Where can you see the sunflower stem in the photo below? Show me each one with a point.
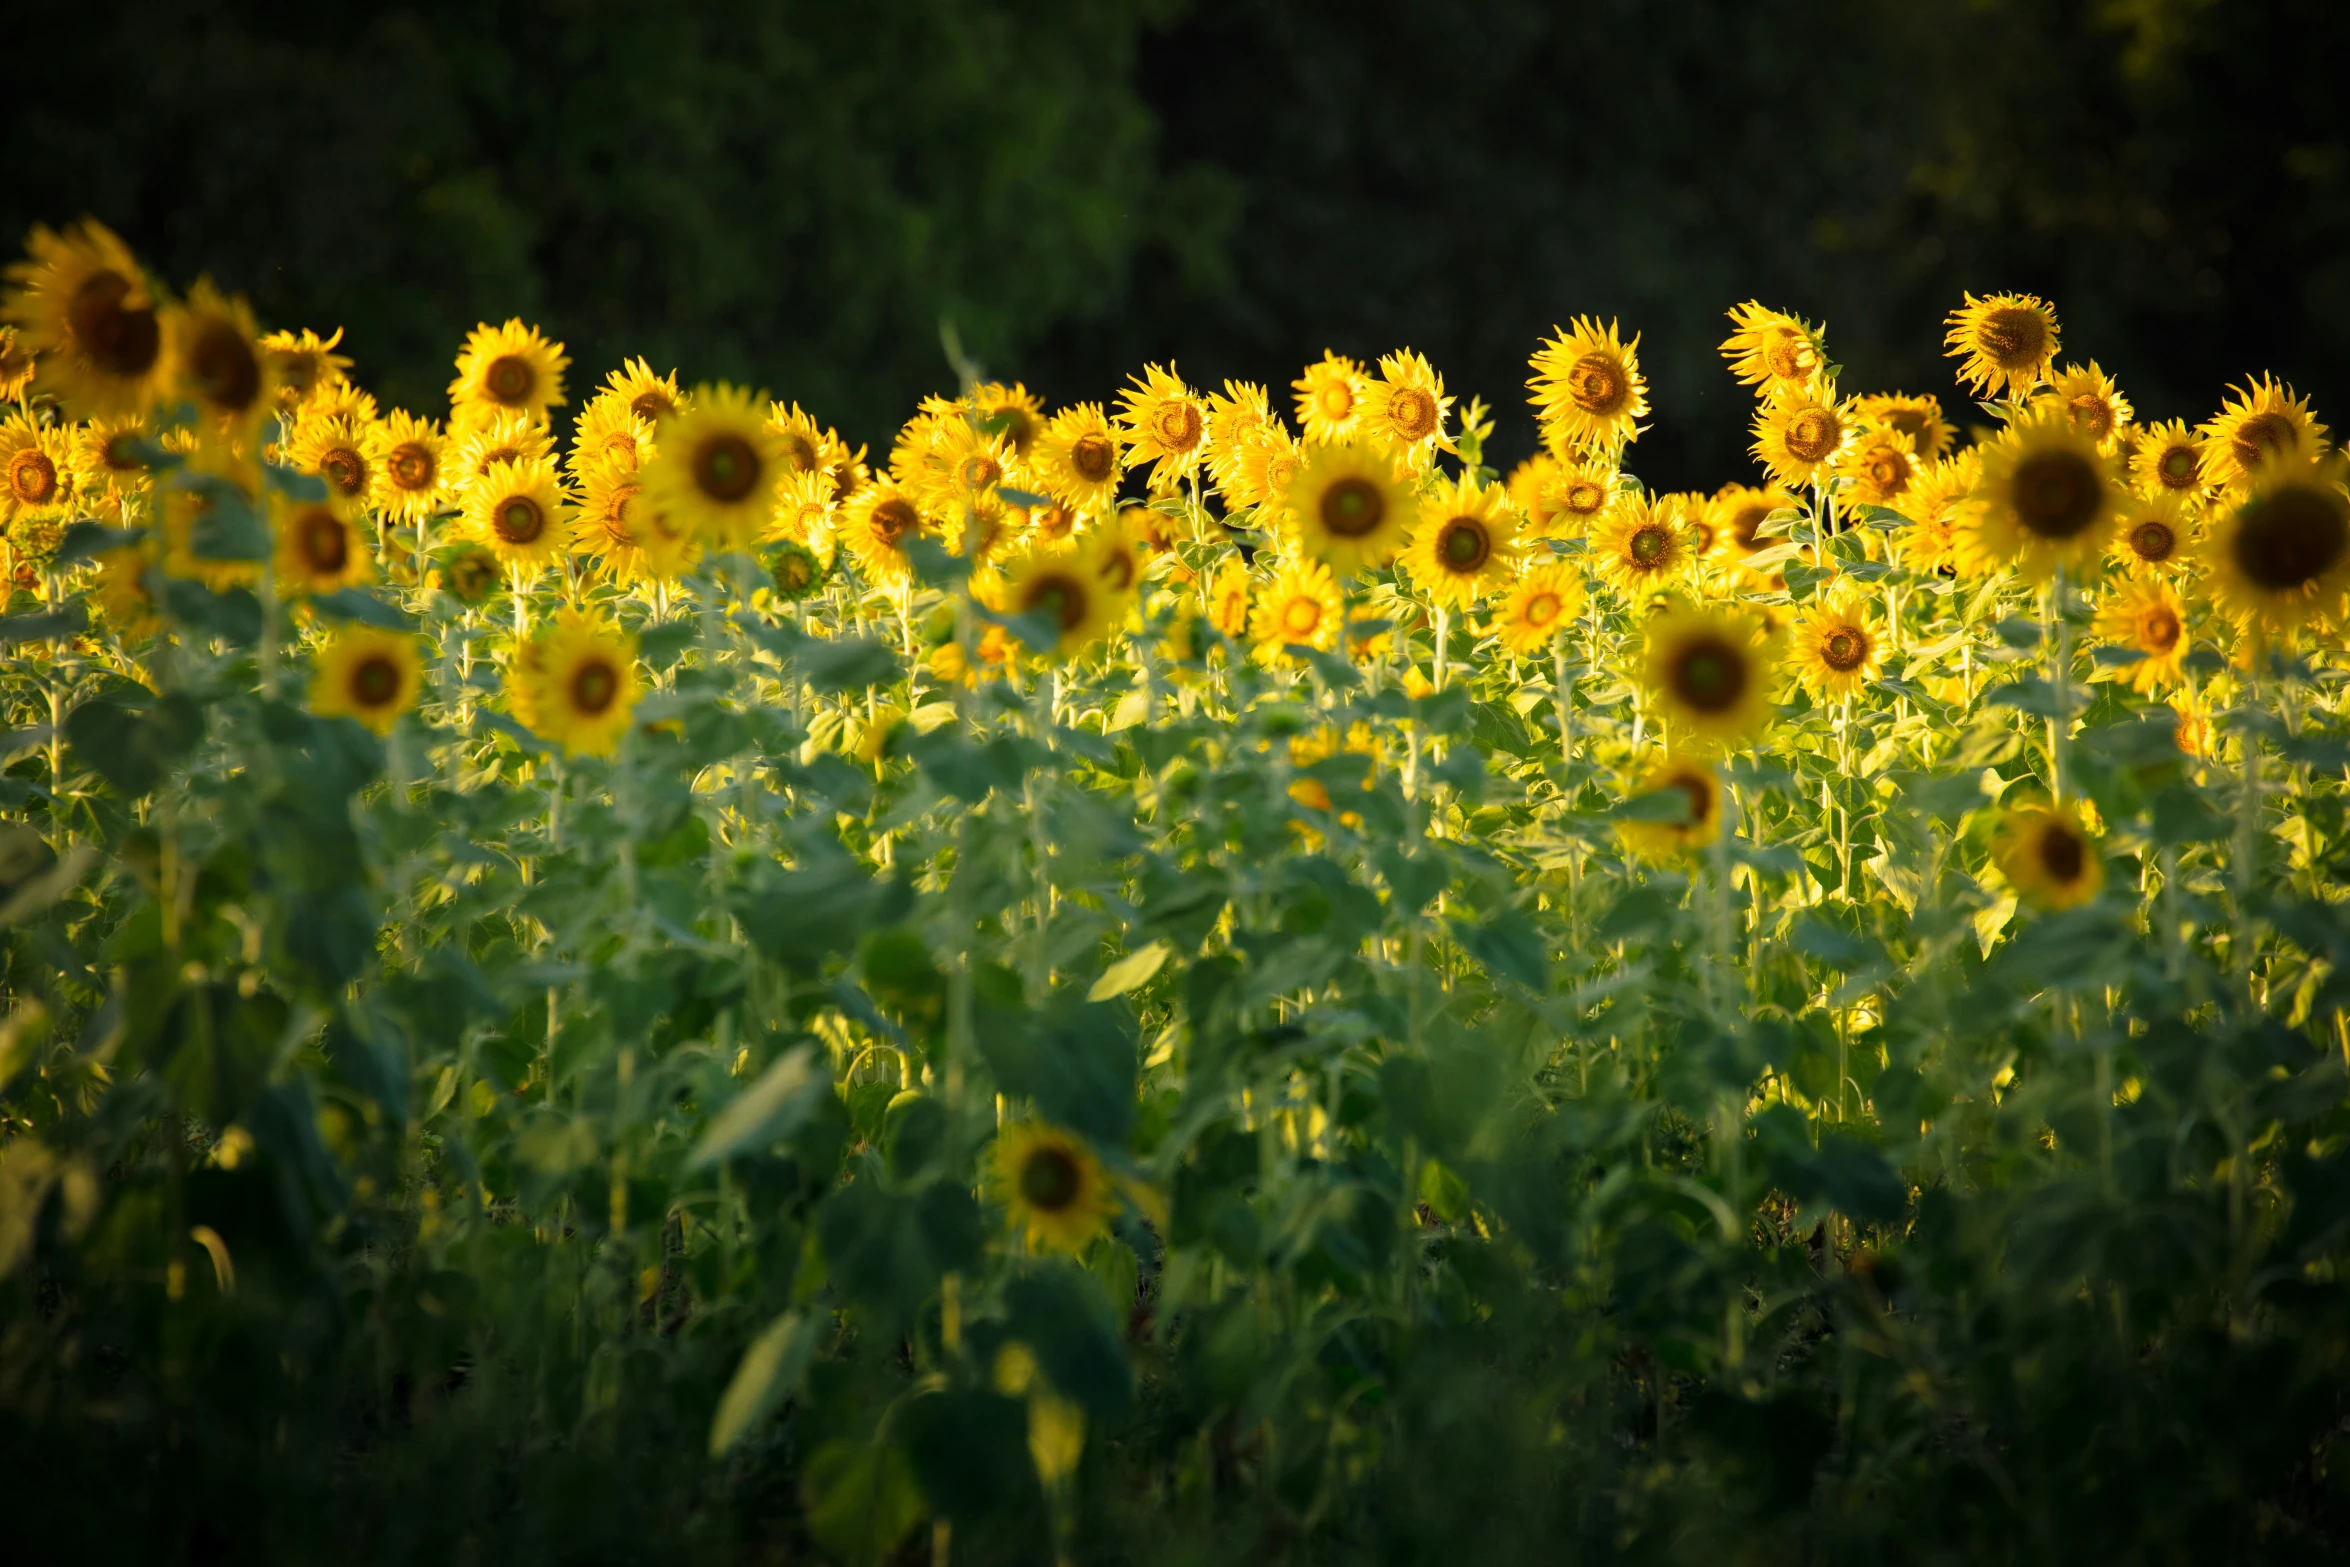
(2057, 636)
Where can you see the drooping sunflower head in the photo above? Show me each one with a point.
(302, 364)
(797, 571)
(504, 370)
(1799, 437)
(2089, 402)
(1696, 790)
(1242, 410)
(469, 574)
(575, 684)
(1643, 546)
(1331, 395)
(650, 397)
(2282, 555)
(1919, 418)
(1708, 673)
(520, 513)
(2004, 343)
(2045, 500)
(1079, 458)
(2261, 423)
(876, 526)
(85, 312)
(1768, 349)
(1068, 594)
(2147, 616)
(2156, 534)
(1587, 388)
(408, 459)
(319, 548)
(1299, 606)
(1837, 650)
(1465, 544)
(1349, 507)
(367, 673)
(1538, 607)
(2168, 461)
(715, 468)
(1051, 1186)
(1406, 408)
(1880, 463)
(339, 451)
(16, 365)
(1166, 425)
(2048, 856)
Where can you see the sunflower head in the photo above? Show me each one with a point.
(1079, 457)
(797, 571)
(1708, 673)
(1768, 349)
(575, 684)
(876, 526)
(2087, 399)
(649, 397)
(1837, 651)
(2261, 423)
(408, 462)
(2156, 533)
(508, 369)
(1879, 463)
(520, 512)
(302, 364)
(715, 469)
(1051, 1186)
(1587, 388)
(1331, 396)
(339, 450)
(1537, 607)
(2168, 460)
(16, 365)
(1406, 408)
(217, 360)
(1644, 545)
(1300, 606)
(1071, 593)
(1465, 544)
(1799, 436)
(469, 574)
(1697, 788)
(2146, 615)
(1165, 424)
(318, 545)
(367, 673)
(1919, 418)
(85, 312)
(2045, 499)
(2282, 554)
(1349, 506)
(2048, 856)
(2004, 343)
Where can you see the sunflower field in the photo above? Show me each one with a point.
(1202, 976)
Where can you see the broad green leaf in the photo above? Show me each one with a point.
(1129, 972)
(772, 1369)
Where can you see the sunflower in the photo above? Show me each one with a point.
(877, 524)
(1768, 350)
(607, 435)
(1708, 672)
(1228, 600)
(803, 510)
(108, 459)
(1879, 464)
(1643, 546)
(508, 369)
(120, 591)
(1588, 391)
(1537, 607)
(1011, 414)
(408, 457)
(2090, 402)
(1077, 458)
(1406, 408)
(318, 546)
(2156, 532)
(2259, 423)
(1166, 425)
(1576, 499)
(574, 685)
(650, 397)
(2144, 613)
(1737, 513)
(1071, 592)
(2045, 500)
(1465, 543)
(16, 365)
(1701, 820)
(1235, 415)
(85, 311)
(1051, 1186)
(302, 364)
(337, 450)
(1919, 418)
(36, 468)
(209, 477)
(972, 465)
(1301, 606)
(807, 447)
(610, 526)
(798, 572)
(985, 530)
(2003, 343)
(1799, 437)
(2283, 553)
(1836, 650)
(2168, 461)
(1330, 398)
(469, 574)
(1934, 505)
(1349, 507)
(1269, 462)
(514, 438)
(2048, 856)
(715, 472)
(367, 673)
(216, 359)
(519, 512)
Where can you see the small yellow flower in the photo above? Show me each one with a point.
(1879, 463)
(1406, 408)
(875, 527)
(1078, 458)
(2168, 461)
(2089, 402)
(336, 449)
(407, 458)
(508, 369)
(367, 673)
(2048, 856)
(1052, 1186)
(2157, 533)
(520, 513)
(1708, 672)
(1919, 418)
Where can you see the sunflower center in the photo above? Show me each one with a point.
(2062, 854)
(1412, 413)
(1117, 568)
(2057, 494)
(298, 372)
(594, 686)
(1813, 433)
(980, 472)
(2263, 436)
(1301, 618)
(1585, 497)
(1787, 355)
(473, 574)
(1542, 609)
(652, 407)
(1055, 521)
(1464, 545)
(1709, 673)
(893, 519)
(1060, 596)
(2177, 468)
(1017, 427)
(1177, 425)
(412, 465)
(795, 572)
(324, 543)
(519, 519)
(1092, 458)
(1888, 471)
(2091, 415)
(1746, 524)
(2159, 629)
(1700, 798)
(375, 682)
(120, 454)
(226, 370)
(345, 469)
(1050, 1180)
(2153, 541)
(1844, 649)
(1337, 399)
(800, 452)
(32, 477)
(615, 515)
(726, 468)
(2291, 537)
(1596, 383)
(510, 379)
(2013, 337)
(1353, 507)
(1648, 545)
(122, 340)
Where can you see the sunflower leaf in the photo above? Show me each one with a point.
(364, 607)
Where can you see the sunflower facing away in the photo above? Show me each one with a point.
(650, 397)
(1836, 650)
(2146, 615)
(1708, 672)
(1051, 1186)
(519, 512)
(1406, 408)
(2258, 424)
(1587, 386)
(408, 458)
(1769, 349)
(1465, 544)
(2045, 499)
(1701, 821)
(318, 547)
(716, 467)
(1349, 508)
(1077, 458)
(574, 684)
(508, 369)
(1644, 545)
(1798, 437)
(2168, 461)
(2002, 344)
(367, 673)
(1299, 606)
(607, 435)
(1934, 504)
(85, 312)
(2282, 555)
(2090, 402)
(2048, 856)
(1537, 607)
(1166, 425)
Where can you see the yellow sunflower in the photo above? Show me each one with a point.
(1077, 458)
(2259, 423)
(574, 685)
(1051, 1186)
(1576, 499)
(36, 469)
(1837, 651)
(808, 448)
(1301, 605)
(1587, 386)
(367, 673)
(1349, 507)
(1701, 787)
(876, 525)
(1769, 349)
(16, 365)
(607, 435)
(503, 370)
(2090, 403)
(1879, 463)
(408, 458)
(338, 451)
(1242, 410)
(972, 466)
(468, 573)
(1643, 546)
(2168, 461)
(1011, 414)
(87, 314)
(714, 474)
(1330, 398)
(2045, 500)
(803, 510)
(1933, 506)
(650, 397)
(106, 459)
(2144, 613)
(1465, 544)
(511, 438)
(2004, 343)
(120, 591)
(2282, 555)
(609, 526)
(1166, 425)
(519, 513)
(1537, 607)
(1919, 418)
(1229, 597)
(2048, 856)
(1799, 437)
(301, 364)
(216, 359)
(318, 546)
(1708, 672)
(1268, 463)
(340, 400)
(2156, 534)
(1738, 511)
(1406, 408)
(1070, 592)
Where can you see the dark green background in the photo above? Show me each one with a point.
(796, 194)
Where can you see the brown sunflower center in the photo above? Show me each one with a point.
(2290, 537)
(726, 468)
(324, 543)
(1092, 457)
(1787, 355)
(298, 371)
(2013, 337)
(652, 406)
(979, 472)
(413, 466)
(1708, 673)
(2262, 436)
(1060, 595)
(2062, 853)
(122, 339)
(510, 379)
(1648, 545)
(345, 469)
(893, 519)
(1597, 384)
(1117, 567)
(1812, 434)
(1464, 546)
(2090, 414)
(226, 370)
(375, 682)
(1050, 1180)
(1055, 521)
(32, 477)
(1844, 649)
(2177, 467)
(795, 571)
(1178, 425)
(120, 453)
(595, 685)
(2153, 541)
(1585, 497)
(1336, 399)
(1700, 798)
(1411, 412)
(1746, 523)
(2159, 629)
(519, 519)
(2057, 494)
(799, 452)
(1352, 507)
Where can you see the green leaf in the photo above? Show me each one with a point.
(774, 1368)
(1129, 972)
(891, 1249)
(1076, 1060)
(1508, 946)
(662, 642)
(87, 540)
(364, 607)
(44, 625)
(786, 1095)
(132, 742)
(860, 1499)
(802, 917)
(1060, 1313)
(848, 663)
